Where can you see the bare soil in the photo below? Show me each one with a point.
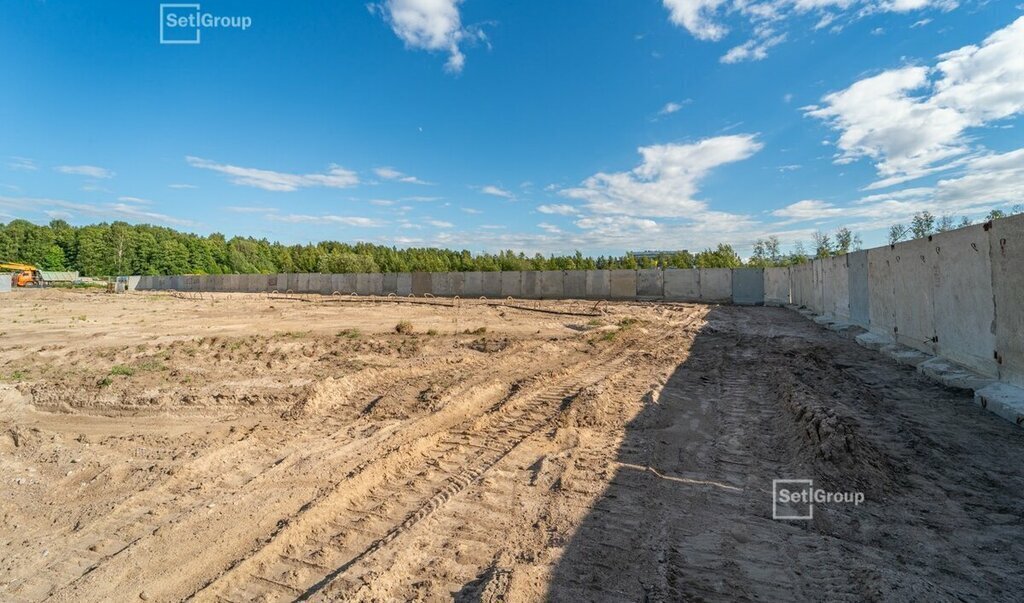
(232, 447)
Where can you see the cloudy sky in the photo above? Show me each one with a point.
(537, 125)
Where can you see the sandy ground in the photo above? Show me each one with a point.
(238, 448)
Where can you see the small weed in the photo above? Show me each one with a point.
(432, 332)
(479, 331)
(595, 322)
(151, 366)
(608, 336)
(16, 376)
(625, 323)
(122, 370)
(105, 382)
(404, 328)
(349, 334)
(294, 334)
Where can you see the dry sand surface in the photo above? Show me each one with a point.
(237, 448)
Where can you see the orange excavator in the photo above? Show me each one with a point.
(24, 274)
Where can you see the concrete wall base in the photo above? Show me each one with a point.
(953, 375)
(1003, 399)
(873, 341)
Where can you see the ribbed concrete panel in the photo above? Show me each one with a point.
(682, 284)
(817, 303)
(421, 283)
(551, 284)
(531, 284)
(881, 292)
(145, 283)
(301, 283)
(404, 284)
(836, 287)
(622, 284)
(575, 283)
(390, 283)
(1006, 244)
(511, 284)
(964, 304)
(457, 283)
(857, 269)
(914, 278)
(491, 282)
(650, 283)
(803, 280)
(598, 284)
(326, 283)
(441, 284)
(777, 286)
(716, 285)
(748, 286)
(6, 282)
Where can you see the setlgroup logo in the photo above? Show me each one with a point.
(795, 498)
(184, 23)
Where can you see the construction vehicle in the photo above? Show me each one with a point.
(25, 275)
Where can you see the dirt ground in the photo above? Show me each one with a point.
(236, 447)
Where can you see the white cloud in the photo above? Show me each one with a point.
(440, 224)
(755, 49)
(672, 107)
(103, 211)
(666, 182)
(388, 173)
(559, 209)
(470, 210)
(496, 191)
(85, 170)
(331, 219)
(250, 209)
(182, 186)
(704, 19)
(808, 209)
(912, 121)
(335, 177)
(433, 25)
(135, 200)
(22, 164)
(551, 228)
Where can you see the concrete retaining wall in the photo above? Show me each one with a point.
(957, 295)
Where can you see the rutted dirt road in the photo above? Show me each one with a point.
(238, 448)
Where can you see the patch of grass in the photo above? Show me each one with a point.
(432, 332)
(478, 331)
(16, 376)
(608, 336)
(151, 366)
(349, 334)
(105, 382)
(595, 322)
(627, 322)
(122, 370)
(294, 334)
(404, 328)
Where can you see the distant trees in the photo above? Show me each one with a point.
(924, 224)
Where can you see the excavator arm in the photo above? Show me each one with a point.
(25, 274)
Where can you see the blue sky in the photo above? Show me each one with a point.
(542, 126)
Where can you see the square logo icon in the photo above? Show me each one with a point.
(179, 24)
(792, 499)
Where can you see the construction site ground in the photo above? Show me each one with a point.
(234, 447)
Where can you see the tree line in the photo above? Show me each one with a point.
(109, 249)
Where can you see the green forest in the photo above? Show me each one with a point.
(109, 249)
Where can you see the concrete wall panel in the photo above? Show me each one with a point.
(650, 283)
(512, 284)
(682, 284)
(390, 283)
(491, 283)
(598, 284)
(881, 292)
(405, 284)
(777, 286)
(421, 283)
(748, 286)
(622, 284)
(1006, 244)
(531, 284)
(552, 284)
(914, 278)
(715, 285)
(575, 284)
(857, 267)
(441, 284)
(370, 284)
(964, 305)
(473, 286)
(457, 283)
